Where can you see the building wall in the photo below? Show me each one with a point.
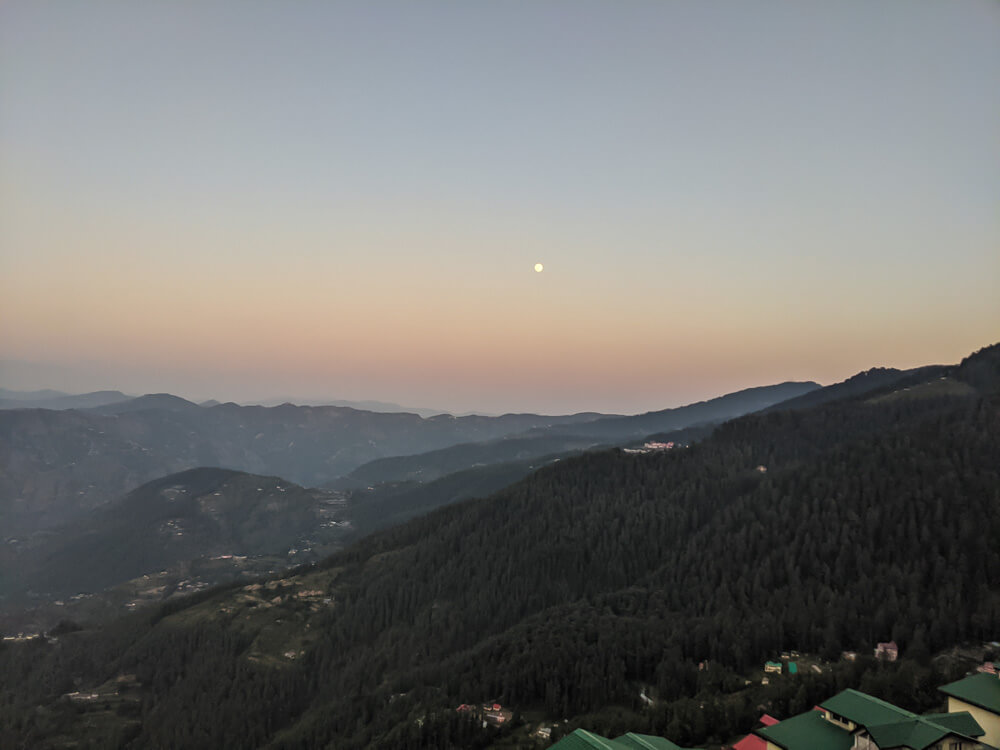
(989, 721)
(850, 726)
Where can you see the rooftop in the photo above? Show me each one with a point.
(864, 709)
(646, 742)
(751, 742)
(982, 690)
(888, 725)
(808, 731)
(581, 739)
(911, 733)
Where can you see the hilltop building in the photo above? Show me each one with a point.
(852, 720)
(497, 715)
(491, 714)
(978, 695)
(888, 651)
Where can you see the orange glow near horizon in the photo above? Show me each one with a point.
(324, 221)
(516, 349)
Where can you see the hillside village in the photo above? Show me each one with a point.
(849, 720)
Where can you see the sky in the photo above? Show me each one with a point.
(237, 199)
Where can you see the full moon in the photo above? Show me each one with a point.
(539, 268)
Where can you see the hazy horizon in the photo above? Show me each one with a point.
(241, 200)
(28, 376)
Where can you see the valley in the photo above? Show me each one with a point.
(62, 542)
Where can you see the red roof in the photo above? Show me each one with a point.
(751, 742)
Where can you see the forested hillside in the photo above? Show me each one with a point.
(394, 502)
(860, 384)
(579, 435)
(817, 529)
(182, 517)
(426, 467)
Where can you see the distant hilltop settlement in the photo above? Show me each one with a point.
(492, 714)
(651, 447)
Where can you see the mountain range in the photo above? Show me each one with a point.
(60, 542)
(51, 399)
(590, 591)
(58, 466)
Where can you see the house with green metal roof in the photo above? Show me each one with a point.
(808, 731)
(646, 742)
(852, 719)
(979, 695)
(581, 739)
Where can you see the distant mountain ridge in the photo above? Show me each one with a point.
(363, 405)
(863, 382)
(49, 399)
(717, 409)
(52, 399)
(15, 395)
(148, 402)
(59, 465)
(577, 436)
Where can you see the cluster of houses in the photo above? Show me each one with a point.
(786, 665)
(888, 651)
(77, 697)
(852, 720)
(786, 659)
(777, 667)
(21, 637)
(491, 714)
